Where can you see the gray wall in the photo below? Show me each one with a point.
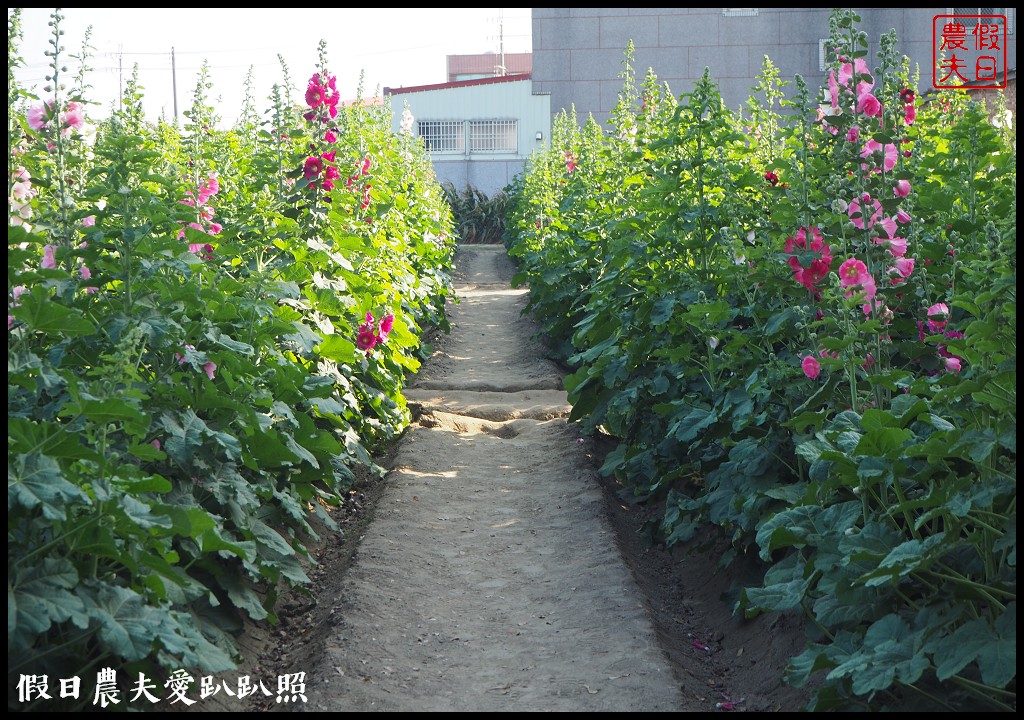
(578, 53)
(487, 176)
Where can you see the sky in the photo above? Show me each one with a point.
(392, 47)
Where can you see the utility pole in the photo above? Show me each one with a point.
(501, 42)
(174, 84)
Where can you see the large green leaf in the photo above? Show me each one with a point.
(37, 481)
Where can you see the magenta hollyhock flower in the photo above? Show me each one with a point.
(366, 339)
(89, 221)
(329, 156)
(48, 262)
(909, 114)
(312, 168)
(386, 323)
(811, 367)
(331, 173)
(902, 188)
(314, 95)
(853, 134)
(772, 177)
(366, 198)
(818, 267)
(330, 137)
(365, 169)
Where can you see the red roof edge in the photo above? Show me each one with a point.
(457, 84)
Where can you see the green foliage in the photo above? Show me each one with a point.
(478, 219)
(186, 383)
(856, 438)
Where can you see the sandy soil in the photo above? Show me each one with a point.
(493, 569)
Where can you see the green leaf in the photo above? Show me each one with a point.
(37, 481)
(40, 596)
(45, 314)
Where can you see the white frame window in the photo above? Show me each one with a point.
(442, 136)
(971, 22)
(494, 136)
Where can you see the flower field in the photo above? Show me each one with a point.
(799, 321)
(209, 332)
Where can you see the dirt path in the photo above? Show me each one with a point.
(489, 578)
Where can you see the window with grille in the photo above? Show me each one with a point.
(970, 22)
(499, 136)
(443, 135)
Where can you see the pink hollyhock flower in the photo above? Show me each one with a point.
(897, 246)
(940, 311)
(903, 267)
(811, 367)
(155, 443)
(857, 214)
(16, 292)
(10, 321)
(869, 105)
(215, 228)
(181, 358)
(902, 188)
(570, 162)
(889, 153)
(36, 116)
(902, 217)
(85, 272)
(952, 364)
(818, 268)
(331, 173)
(89, 221)
(73, 118)
(22, 190)
(209, 368)
(366, 198)
(853, 134)
(854, 273)
(365, 169)
(909, 114)
(833, 89)
(386, 323)
(48, 262)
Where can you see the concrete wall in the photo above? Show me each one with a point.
(578, 53)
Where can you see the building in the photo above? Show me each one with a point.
(578, 53)
(491, 64)
(479, 132)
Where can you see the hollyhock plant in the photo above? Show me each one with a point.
(570, 162)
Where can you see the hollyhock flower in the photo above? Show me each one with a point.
(215, 228)
(181, 358)
(16, 292)
(330, 155)
(909, 116)
(330, 137)
(155, 443)
(903, 267)
(816, 270)
(811, 367)
(852, 274)
(896, 246)
(312, 167)
(73, 118)
(22, 191)
(713, 342)
(386, 323)
(869, 105)
(366, 198)
(365, 168)
(570, 162)
(888, 151)
(902, 188)
(209, 368)
(36, 116)
(314, 95)
(48, 262)
(952, 364)
(772, 177)
(853, 134)
(939, 311)
(902, 217)
(89, 221)
(85, 272)
(309, 116)
(833, 89)
(857, 214)
(366, 339)
(860, 67)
